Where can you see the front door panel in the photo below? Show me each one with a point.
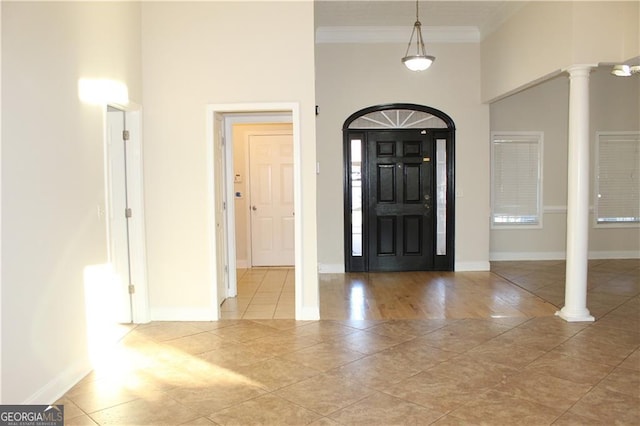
(400, 193)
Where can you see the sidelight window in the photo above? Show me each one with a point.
(355, 182)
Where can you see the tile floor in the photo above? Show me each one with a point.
(262, 293)
(515, 368)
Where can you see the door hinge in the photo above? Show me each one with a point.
(224, 205)
(127, 212)
(132, 289)
(125, 135)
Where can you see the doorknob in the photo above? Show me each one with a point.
(254, 208)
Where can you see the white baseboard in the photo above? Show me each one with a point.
(472, 266)
(331, 268)
(623, 254)
(561, 255)
(183, 314)
(60, 384)
(308, 314)
(546, 255)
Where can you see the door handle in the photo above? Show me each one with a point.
(254, 208)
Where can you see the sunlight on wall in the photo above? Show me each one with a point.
(102, 91)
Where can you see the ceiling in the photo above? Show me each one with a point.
(484, 15)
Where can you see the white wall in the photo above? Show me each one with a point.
(613, 107)
(202, 53)
(545, 37)
(354, 76)
(53, 182)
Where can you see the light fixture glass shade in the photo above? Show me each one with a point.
(621, 70)
(418, 62)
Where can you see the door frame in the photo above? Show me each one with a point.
(135, 185)
(360, 263)
(248, 113)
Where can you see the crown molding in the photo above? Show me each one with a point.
(396, 34)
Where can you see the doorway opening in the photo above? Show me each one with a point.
(226, 192)
(399, 189)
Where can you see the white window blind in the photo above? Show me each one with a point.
(516, 187)
(618, 178)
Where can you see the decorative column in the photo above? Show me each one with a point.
(575, 299)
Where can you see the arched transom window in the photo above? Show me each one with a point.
(398, 119)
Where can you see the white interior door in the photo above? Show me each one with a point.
(118, 222)
(221, 249)
(271, 196)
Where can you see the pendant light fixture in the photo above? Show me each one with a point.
(420, 61)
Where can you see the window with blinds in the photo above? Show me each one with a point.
(617, 182)
(516, 178)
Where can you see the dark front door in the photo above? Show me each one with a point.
(399, 178)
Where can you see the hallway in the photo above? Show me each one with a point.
(410, 356)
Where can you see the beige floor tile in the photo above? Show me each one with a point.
(324, 421)
(83, 420)
(377, 371)
(476, 372)
(265, 410)
(383, 410)
(607, 336)
(323, 356)
(568, 368)
(623, 381)
(585, 349)
(437, 391)
(368, 343)
(100, 394)
(603, 405)
(495, 408)
(159, 409)
(258, 314)
(415, 355)
(572, 419)
(632, 362)
(196, 343)
(71, 410)
(409, 328)
(510, 355)
(245, 331)
(276, 373)
(282, 343)
(200, 421)
(161, 332)
(324, 330)
(234, 355)
(531, 338)
(550, 391)
(207, 400)
(325, 393)
(286, 324)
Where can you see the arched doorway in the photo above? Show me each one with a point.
(399, 190)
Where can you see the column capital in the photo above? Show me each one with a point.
(580, 69)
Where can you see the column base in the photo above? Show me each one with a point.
(582, 315)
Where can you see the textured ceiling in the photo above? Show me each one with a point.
(484, 15)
